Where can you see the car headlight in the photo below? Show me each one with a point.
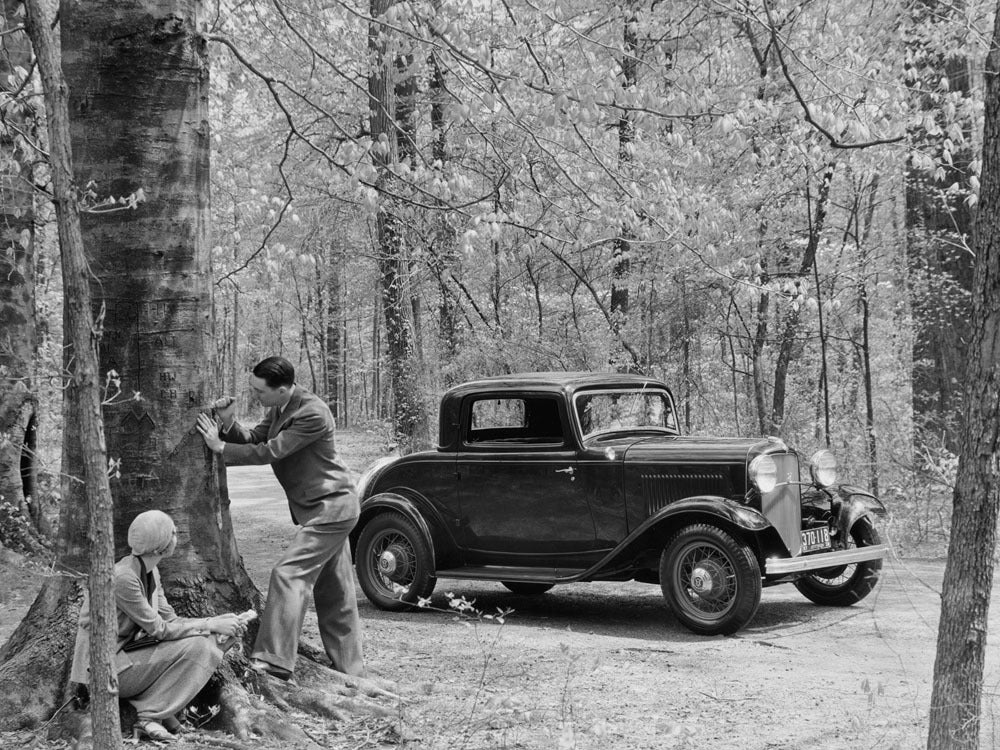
(764, 473)
(823, 468)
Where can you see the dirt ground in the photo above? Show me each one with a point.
(605, 665)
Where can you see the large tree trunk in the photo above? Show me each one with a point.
(138, 109)
(18, 401)
(138, 76)
(956, 700)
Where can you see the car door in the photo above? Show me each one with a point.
(519, 498)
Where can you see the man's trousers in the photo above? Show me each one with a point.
(318, 559)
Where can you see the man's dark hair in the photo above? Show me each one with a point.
(275, 371)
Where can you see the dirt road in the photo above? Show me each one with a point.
(605, 665)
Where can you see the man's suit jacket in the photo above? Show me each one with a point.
(299, 445)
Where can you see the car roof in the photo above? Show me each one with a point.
(567, 381)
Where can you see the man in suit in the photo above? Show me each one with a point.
(296, 437)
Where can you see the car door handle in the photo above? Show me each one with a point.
(571, 471)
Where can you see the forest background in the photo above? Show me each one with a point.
(766, 205)
(769, 205)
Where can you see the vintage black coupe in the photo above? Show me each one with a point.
(548, 478)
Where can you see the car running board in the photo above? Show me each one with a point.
(515, 574)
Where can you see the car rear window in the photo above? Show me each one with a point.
(515, 420)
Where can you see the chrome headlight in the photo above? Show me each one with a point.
(823, 468)
(763, 472)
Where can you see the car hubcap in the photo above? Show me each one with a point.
(708, 580)
(394, 562)
(703, 578)
(387, 563)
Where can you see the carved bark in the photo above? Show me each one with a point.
(956, 700)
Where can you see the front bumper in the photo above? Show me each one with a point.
(776, 566)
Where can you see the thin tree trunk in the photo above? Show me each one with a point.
(18, 343)
(789, 334)
(334, 327)
(956, 700)
(621, 254)
(86, 487)
(410, 419)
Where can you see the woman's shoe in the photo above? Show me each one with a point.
(174, 726)
(149, 729)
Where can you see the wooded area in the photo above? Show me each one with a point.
(773, 205)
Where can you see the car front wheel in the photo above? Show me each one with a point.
(394, 563)
(711, 581)
(846, 584)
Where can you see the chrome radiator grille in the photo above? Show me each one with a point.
(781, 506)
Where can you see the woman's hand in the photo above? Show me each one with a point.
(228, 625)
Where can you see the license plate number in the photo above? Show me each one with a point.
(814, 539)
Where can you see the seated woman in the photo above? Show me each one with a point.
(161, 678)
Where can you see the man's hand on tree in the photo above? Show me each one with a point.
(210, 432)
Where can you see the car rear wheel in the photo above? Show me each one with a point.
(846, 584)
(527, 589)
(711, 581)
(394, 563)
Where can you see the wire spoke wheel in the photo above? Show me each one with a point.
(707, 579)
(394, 562)
(710, 580)
(844, 585)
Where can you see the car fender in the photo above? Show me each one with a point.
(720, 511)
(393, 502)
(850, 504)
(739, 515)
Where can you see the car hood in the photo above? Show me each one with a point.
(687, 449)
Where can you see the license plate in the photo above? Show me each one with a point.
(814, 539)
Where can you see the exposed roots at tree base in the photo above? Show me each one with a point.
(248, 708)
(259, 706)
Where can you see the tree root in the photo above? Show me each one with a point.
(255, 705)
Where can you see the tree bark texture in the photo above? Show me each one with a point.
(621, 253)
(334, 315)
(18, 401)
(965, 598)
(138, 76)
(86, 492)
(938, 225)
(410, 419)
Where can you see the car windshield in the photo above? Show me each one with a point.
(623, 410)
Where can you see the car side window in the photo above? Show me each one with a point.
(515, 421)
